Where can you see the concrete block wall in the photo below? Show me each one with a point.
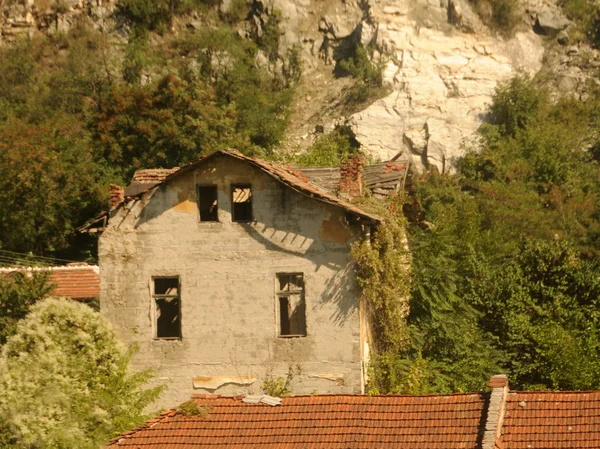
(227, 273)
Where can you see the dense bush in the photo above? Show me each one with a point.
(229, 65)
(165, 124)
(65, 382)
(49, 184)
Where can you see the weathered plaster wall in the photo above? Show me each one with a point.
(227, 272)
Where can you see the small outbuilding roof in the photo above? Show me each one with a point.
(72, 281)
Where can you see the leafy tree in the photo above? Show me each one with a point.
(64, 379)
(162, 125)
(541, 307)
(504, 254)
(49, 184)
(18, 292)
(261, 99)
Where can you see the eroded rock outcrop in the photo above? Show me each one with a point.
(441, 62)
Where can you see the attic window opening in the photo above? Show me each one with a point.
(241, 202)
(291, 305)
(208, 203)
(167, 307)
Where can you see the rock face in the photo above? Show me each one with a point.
(442, 65)
(441, 62)
(443, 80)
(25, 17)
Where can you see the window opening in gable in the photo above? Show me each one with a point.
(208, 203)
(241, 202)
(291, 304)
(167, 307)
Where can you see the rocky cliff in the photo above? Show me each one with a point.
(441, 63)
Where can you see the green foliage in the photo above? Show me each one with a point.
(18, 292)
(238, 10)
(542, 308)
(369, 76)
(504, 253)
(49, 184)
(281, 386)
(503, 15)
(190, 408)
(145, 15)
(164, 124)
(269, 39)
(260, 99)
(382, 269)
(586, 15)
(64, 379)
(329, 150)
(136, 59)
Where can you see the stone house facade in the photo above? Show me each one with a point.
(231, 270)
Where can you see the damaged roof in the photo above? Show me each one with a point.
(293, 178)
(328, 421)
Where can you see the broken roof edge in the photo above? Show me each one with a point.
(273, 170)
(270, 168)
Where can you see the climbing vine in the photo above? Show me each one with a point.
(383, 272)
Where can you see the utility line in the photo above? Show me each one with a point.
(32, 256)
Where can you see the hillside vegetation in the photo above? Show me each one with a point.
(505, 256)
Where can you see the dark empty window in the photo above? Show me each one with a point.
(292, 308)
(167, 307)
(207, 203)
(241, 202)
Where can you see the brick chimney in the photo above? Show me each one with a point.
(117, 194)
(495, 412)
(351, 177)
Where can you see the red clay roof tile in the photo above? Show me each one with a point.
(76, 282)
(335, 421)
(560, 420)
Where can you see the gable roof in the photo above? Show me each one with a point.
(76, 282)
(558, 420)
(329, 421)
(288, 176)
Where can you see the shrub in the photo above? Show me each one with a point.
(586, 15)
(369, 76)
(503, 15)
(65, 382)
(329, 150)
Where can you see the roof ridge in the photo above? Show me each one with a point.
(279, 172)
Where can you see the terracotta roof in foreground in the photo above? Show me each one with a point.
(329, 421)
(551, 420)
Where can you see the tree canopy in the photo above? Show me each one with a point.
(503, 255)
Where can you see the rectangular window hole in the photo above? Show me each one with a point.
(292, 306)
(208, 203)
(167, 307)
(241, 203)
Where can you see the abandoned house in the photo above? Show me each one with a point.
(232, 270)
